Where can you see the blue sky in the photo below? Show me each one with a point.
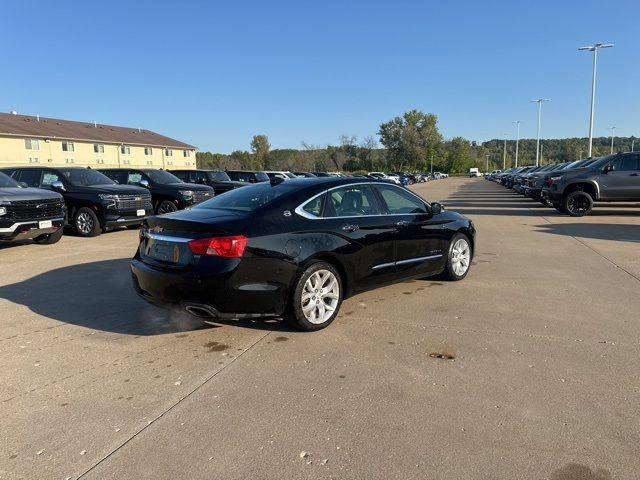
(215, 73)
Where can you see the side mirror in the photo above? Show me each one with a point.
(608, 168)
(58, 185)
(144, 183)
(436, 208)
(22, 185)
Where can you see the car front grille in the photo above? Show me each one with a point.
(124, 202)
(26, 210)
(202, 196)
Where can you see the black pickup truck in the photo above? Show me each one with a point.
(216, 179)
(614, 178)
(94, 202)
(29, 213)
(169, 193)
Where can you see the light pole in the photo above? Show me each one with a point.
(486, 168)
(517, 122)
(613, 133)
(504, 153)
(593, 48)
(539, 101)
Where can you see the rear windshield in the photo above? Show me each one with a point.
(7, 182)
(249, 198)
(85, 177)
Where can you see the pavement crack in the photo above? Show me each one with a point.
(172, 406)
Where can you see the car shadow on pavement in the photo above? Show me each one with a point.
(598, 231)
(100, 296)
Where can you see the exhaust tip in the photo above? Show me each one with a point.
(200, 312)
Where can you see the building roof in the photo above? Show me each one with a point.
(41, 127)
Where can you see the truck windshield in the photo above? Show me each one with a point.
(7, 182)
(162, 177)
(85, 177)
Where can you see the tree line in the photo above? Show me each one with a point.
(411, 142)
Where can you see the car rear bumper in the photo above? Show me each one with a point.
(221, 296)
(31, 229)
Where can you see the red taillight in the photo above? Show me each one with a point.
(228, 247)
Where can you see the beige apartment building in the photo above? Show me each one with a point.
(35, 140)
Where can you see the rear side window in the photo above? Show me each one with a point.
(315, 205)
(351, 201)
(399, 201)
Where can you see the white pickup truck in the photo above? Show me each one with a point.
(474, 172)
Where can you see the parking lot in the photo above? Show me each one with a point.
(527, 369)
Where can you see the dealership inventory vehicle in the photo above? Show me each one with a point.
(247, 176)
(305, 174)
(296, 249)
(29, 212)
(218, 180)
(94, 202)
(283, 175)
(168, 192)
(614, 178)
(474, 172)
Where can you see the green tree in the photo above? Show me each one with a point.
(260, 148)
(410, 140)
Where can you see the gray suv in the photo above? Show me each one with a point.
(614, 178)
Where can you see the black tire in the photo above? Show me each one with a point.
(49, 239)
(166, 206)
(577, 203)
(296, 317)
(86, 223)
(451, 271)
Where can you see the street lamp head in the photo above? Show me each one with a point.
(594, 47)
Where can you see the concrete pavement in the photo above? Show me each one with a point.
(544, 382)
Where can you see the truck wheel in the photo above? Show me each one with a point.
(577, 203)
(166, 206)
(49, 239)
(86, 223)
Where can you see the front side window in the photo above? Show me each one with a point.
(98, 148)
(351, 201)
(626, 163)
(125, 149)
(48, 178)
(32, 144)
(134, 178)
(400, 201)
(68, 146)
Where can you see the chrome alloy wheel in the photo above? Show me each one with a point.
(84, 223)
(460, 256)
(320, 296)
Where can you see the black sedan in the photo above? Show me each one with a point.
(296, 249)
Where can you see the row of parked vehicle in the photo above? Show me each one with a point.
(573, 187)
(38, 202)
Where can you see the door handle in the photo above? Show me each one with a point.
(350, 228)
(402, 223)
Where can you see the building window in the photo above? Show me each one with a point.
(34, 160)
(100, 160)
(127, 162)
(186, 153)
(32, 144)
(98, 148)
(125, 149)
(148, 151)
(69, 160)
(149, 162)
(168, 152)
(68, 146)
